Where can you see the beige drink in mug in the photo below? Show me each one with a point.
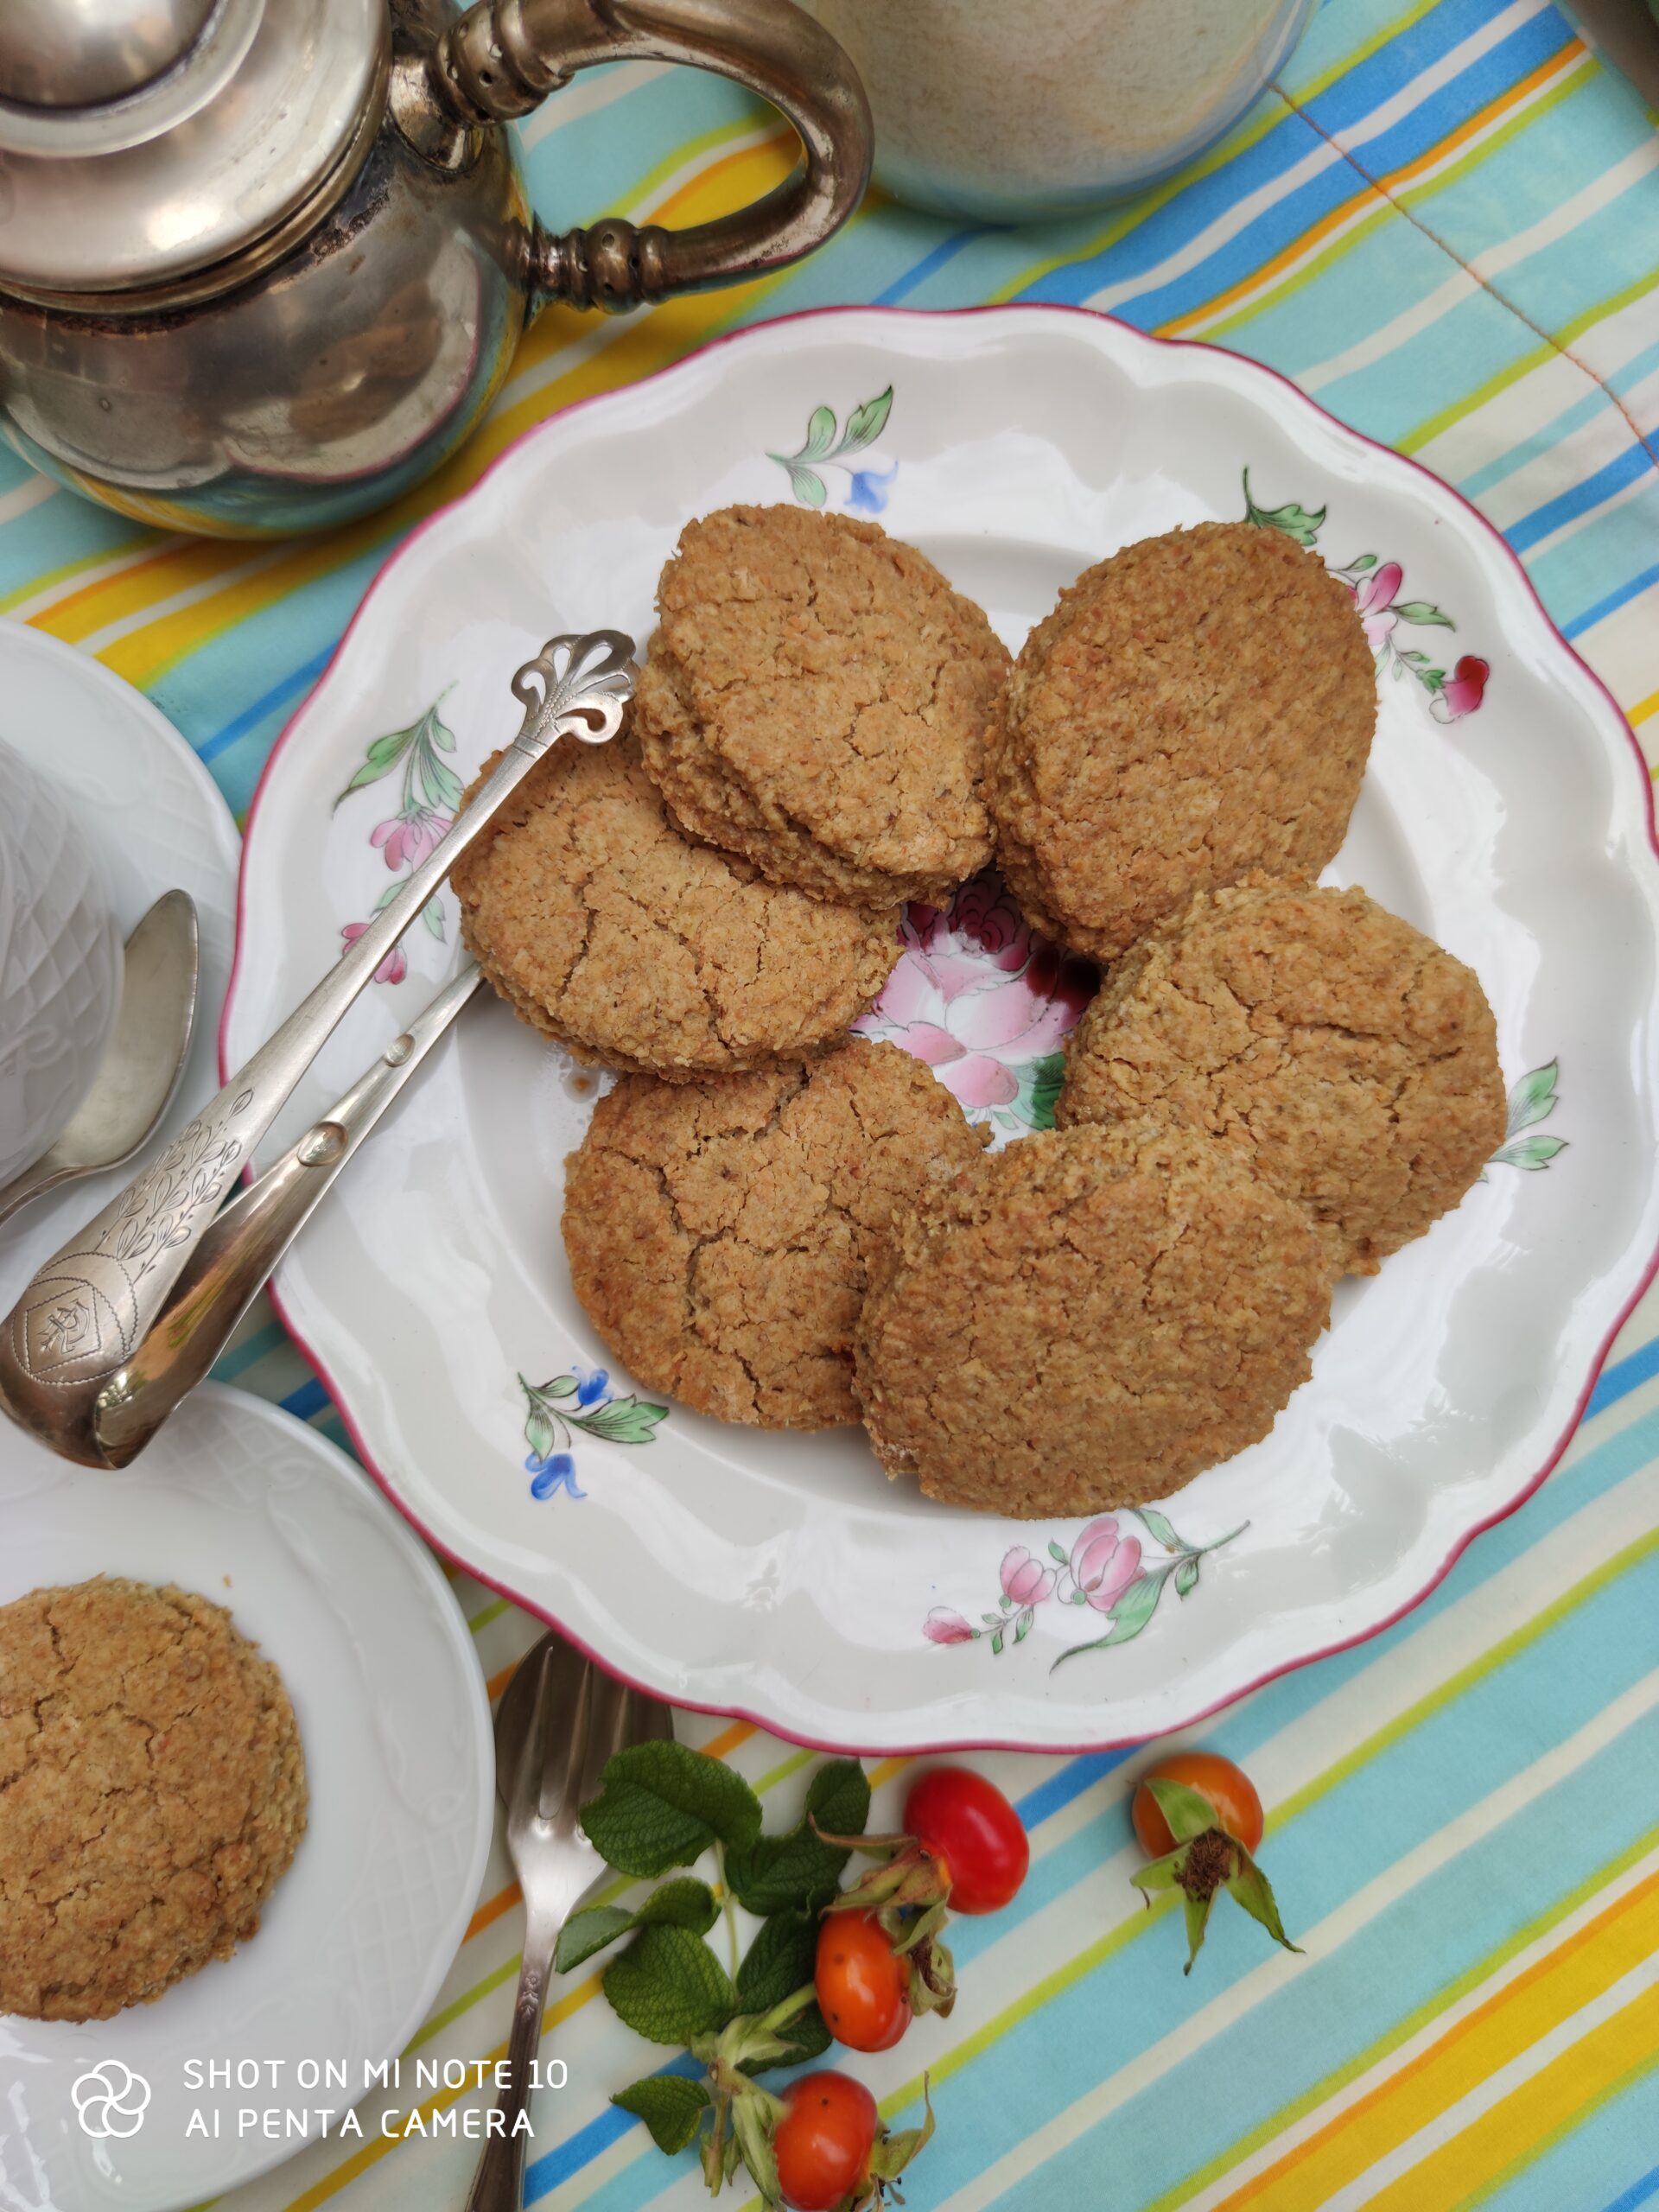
(1009, 110)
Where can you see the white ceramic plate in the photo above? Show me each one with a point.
(782, 1577)
(236, 1500)
(159, 824)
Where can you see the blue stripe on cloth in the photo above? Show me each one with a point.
(946, 250)
(1286, 219)
(580, 2149)
(1566, 507)
(1615, 538)
(1385, 75)
(1639, 2192)
(1624, 1376)
(295, 681)
(1073, 1778)
(1486, 78)
(1620, 596)
(310, 1398)
(1514, 458)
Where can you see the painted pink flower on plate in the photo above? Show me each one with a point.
(1105, 1562)
(1374, 596)
(985, 1001)
(1025, 1580)
(943, 1626)
(392, 968)
(1465, 689)
(1104, 1570)
(406, 839)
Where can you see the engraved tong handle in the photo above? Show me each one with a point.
(69, 1344)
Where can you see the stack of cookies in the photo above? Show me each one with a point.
(1277, 1085)
(707, 904)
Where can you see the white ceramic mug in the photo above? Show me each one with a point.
(1008, 109)
(60, 964)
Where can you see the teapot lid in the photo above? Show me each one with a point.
(143, 140)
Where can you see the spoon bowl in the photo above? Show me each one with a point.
(141, 1066)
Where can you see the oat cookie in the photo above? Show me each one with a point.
(1086, 1320)
(1199, 705)
(718, 1233)
(1348, 1058)
(817, 697)
(605, 929)
(152, 1794)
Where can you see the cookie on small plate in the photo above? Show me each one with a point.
(606, 930)
(1347, 1057)
(1199, 705)
(719, 1233)
(152, 1794)
(818, 698)
(1086, 1320)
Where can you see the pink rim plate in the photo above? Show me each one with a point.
(1300, 398)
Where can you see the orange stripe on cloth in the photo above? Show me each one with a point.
(1470, 2052)
(1395, 181)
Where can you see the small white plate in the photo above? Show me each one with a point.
(160, 824)
(1505, 811)
(237, 1501)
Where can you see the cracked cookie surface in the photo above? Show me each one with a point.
(1346, 1056)
(607, 931)
(719, 1234)
(1086, 1320)
(818, 698)
(1197, 706)
(152, 1794)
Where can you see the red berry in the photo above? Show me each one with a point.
(863, 1986)
(1229, 1788)
(823, 2142)
(966, 1822)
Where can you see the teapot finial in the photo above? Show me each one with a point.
(78, 53)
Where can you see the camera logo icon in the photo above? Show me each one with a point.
(111, 2100)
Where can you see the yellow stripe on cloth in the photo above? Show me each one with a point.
(1297, 2119)
(1511, 2135)
(1517, 2016)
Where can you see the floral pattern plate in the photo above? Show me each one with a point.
(783, 1577)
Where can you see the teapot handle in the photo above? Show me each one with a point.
(502, 57)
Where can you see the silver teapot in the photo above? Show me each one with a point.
(263, 262)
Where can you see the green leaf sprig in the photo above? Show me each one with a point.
(864, 425)
(1206, 1858)
(661, 1806)
(1303, 524)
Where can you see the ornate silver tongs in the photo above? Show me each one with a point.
(117, 1327)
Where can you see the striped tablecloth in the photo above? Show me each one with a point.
(1444, 222)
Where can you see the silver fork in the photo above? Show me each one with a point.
(560, 1719)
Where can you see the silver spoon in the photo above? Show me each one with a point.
(140, 1068)
(559, 1719)
(67, 1347)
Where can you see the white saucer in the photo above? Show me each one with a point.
(236, 1500)
(158, 819)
